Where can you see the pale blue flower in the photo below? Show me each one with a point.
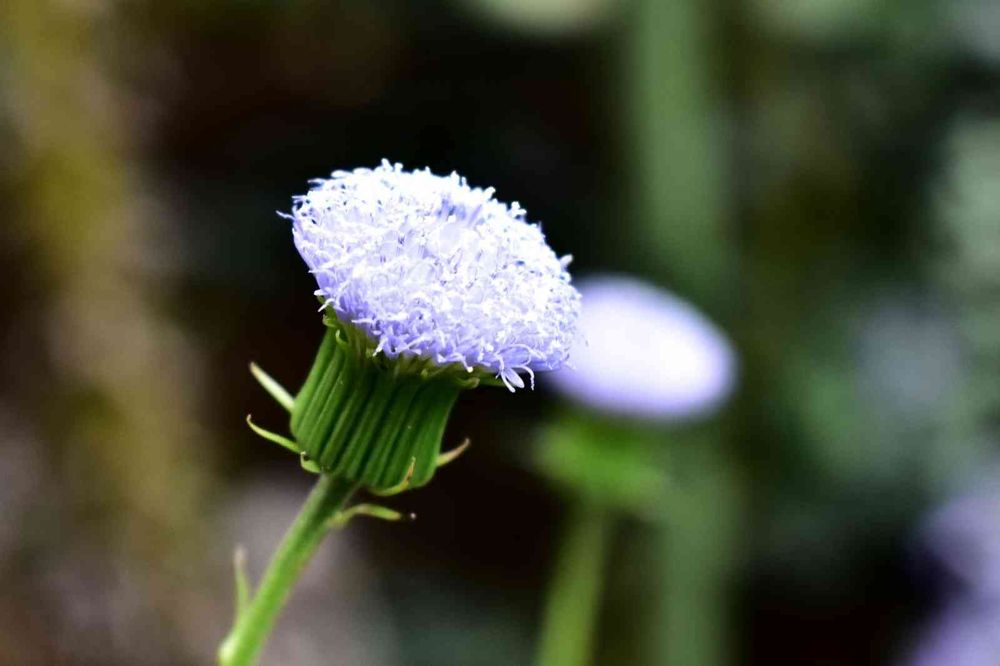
(645, 353)
(429, 267)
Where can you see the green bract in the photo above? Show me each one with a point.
(374, 421)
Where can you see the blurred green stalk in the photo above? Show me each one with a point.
(682, 204)
(697, 542)
(573, 605)
(606, 470)
(679, 176)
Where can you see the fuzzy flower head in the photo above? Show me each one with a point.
(646, 354)
(430, 268)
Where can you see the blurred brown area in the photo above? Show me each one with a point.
(851, 155)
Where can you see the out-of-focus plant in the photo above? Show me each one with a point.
(679, 191)
(975, 28)
(645, 360)
(429, 287)
(681, 198)
(961, 537)
(967, 213)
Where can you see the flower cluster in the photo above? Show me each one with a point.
(430, 268)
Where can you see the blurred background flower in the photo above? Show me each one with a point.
(819, 178)
(645, 360)
(646, 354)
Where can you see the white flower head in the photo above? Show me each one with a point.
(646, 354)
(431, 268)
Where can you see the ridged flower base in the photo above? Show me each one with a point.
(367, 421)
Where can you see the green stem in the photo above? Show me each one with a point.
(677, 151)
(697, 545)
(244, 643)
(574, 597)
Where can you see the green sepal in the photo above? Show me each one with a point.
(370, 420)
(450, 456)
(399, 487)
(309, 465)
(341, 518)
(273, 388)
(281, 440)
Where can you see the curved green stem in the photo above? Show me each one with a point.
(574, 596)
(246, 639)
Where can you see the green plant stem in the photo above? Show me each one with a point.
(574, 596)
(244, 643)
(696, 550)
(680, 169)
